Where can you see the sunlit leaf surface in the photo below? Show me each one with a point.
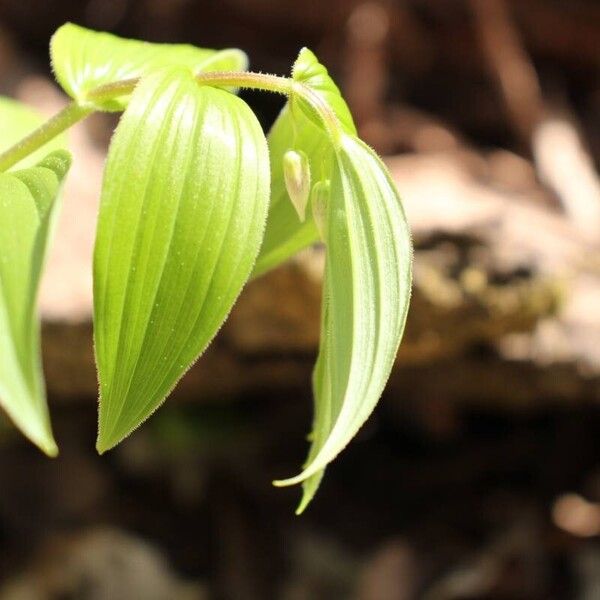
(182, 214)
(27, 211)
(83, 59)
(365, 302)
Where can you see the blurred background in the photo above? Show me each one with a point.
(478, 476)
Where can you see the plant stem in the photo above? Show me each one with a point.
(242, 79)
(75, 112)
(110, 91)
(60, 122)
(249, 80)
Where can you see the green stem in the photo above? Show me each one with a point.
(110, 91)
(75, 112)
(248, 80)
(60, 122)
(243, 79)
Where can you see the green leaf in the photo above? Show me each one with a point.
(298, 128)
(296, 173)
(183, 207)
(308, 70)
(27, 212)
(83, 59)
(16, 121)
(365, 302)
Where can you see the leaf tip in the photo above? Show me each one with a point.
(305, 57)
(290, 481)
(306, 497)
(37, 430)
(304, 502)
(49, 448)
(103, 445)
(43, 439)
(310, 486)
(59, 162)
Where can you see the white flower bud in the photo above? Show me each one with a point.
(296, 173)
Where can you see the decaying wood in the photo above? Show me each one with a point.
(490, 264)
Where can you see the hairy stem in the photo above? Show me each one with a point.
(244, 79)
(75, 112)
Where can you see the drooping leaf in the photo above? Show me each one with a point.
(16, 121)
(298, 128)
(83, 59)
(183, 207)
(27, 212)
(365, 302)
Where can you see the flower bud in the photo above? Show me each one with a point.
(319, 202)
(296, 173)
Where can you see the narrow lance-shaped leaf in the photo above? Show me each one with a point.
(182, 214)
(298, 128)
(27, 211)
(83, 59)
(365, 302)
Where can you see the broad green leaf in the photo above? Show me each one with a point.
(297, 128)
(183, 207)
(16, 121)
(365, 302)
(83, 59)
(27, 211)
